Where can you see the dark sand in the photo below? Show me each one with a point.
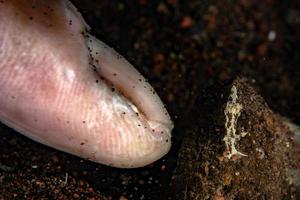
(180, 46)
(238, 149)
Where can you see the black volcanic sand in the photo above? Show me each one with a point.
(181, 47)
(238, 149)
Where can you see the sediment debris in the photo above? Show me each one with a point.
(240, 149)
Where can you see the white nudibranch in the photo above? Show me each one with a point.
(232, 113)
(64, 88)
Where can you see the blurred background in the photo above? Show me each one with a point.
(181, 47)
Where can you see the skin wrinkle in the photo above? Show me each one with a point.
(61, 101)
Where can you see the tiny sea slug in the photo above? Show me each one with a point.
(62, 87)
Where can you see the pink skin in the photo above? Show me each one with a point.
(56, 86)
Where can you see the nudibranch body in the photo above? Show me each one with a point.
(64, 88)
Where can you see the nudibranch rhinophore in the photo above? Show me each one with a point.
(64, 88)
